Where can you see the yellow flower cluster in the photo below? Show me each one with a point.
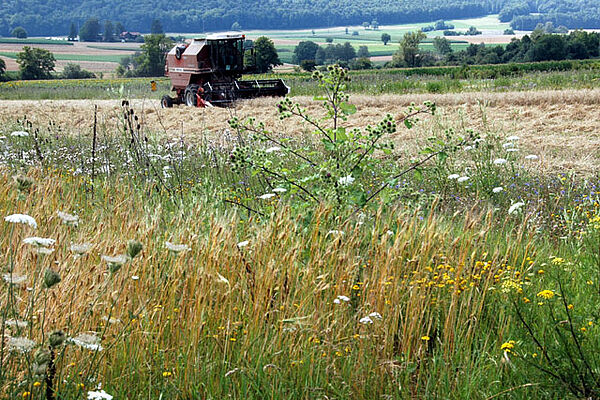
(508, 346)
(460, 278)
(546, 294)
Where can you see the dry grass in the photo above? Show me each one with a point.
(560, 126)
(270, 303)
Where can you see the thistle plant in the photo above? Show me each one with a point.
(344, 165)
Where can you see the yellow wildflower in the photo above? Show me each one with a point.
(546, 294)
(508, 346)
(425, 338)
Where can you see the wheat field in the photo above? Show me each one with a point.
(561, 126)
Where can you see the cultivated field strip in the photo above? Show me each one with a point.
(561, 126)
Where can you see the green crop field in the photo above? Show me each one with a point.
(35, 41)
(73, 57)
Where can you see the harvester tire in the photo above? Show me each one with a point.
(166, 102)
(190, 97)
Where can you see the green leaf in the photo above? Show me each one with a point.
(341, 134)
(348, 109)
(357, 171)
(418, 174)
(329, 146)
(408, 123)
(442, 156)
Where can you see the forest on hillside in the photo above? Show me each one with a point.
(54, 17)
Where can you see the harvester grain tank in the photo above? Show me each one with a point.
(206, 72)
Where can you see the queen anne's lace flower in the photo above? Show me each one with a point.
(21, 219)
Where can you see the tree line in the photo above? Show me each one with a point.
(53, 17)
(539, 46)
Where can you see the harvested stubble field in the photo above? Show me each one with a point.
(562, 126)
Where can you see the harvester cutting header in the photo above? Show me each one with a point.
(205, 73)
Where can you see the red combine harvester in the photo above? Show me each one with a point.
(205, 73)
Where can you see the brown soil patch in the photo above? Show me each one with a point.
(562, 127)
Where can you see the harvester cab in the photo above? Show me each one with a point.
(205, 73)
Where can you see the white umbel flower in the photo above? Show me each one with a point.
(341, 298)
(280, 190)
(118, 259)
(453, 176)
(512, 138)
(375, 315)
(365, 320)
(267, 196)
(177, 248)
(16, 323)
(68, 219)
(80, 249)
(19, 134)
(20, 344)
(21, 219)
(346, 180)
(532, 157)
(39, 241)
(497, 189)
(515, 207)
(500, 161)
(14, 279)
(98, 395)
(462, 179)
(87, 341)
(243, 244)
(44, 250)
(272, 149)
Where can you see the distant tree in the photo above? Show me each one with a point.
(409, 48)
(473, 31)
(361, 63)
(90, 30)
(19, 32)
(109, 32)
(329, 40)
(73, 31)
(549, 47)
(308, 65)
(156, 27)
(363, 52)
(266, 54)
(441, 25)
(509, 31)
(354, 33)
(236, 26)
(74, 71)
(442, 45)
(365, 25)
(306, 50)
(35, 63)
(348, 52)
(385, 38)
(313, 32)
(119, 28)
(375, 24)
(151, 62)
